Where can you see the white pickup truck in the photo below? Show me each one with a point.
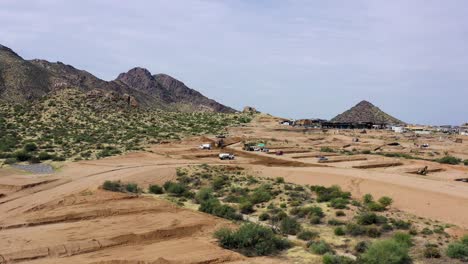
(226, 156)
(205, 146)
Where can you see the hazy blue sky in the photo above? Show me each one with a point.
(293, 58)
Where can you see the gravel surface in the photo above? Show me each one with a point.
(35, 168)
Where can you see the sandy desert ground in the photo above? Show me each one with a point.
(65, 217)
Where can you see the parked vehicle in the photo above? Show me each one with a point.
(265, 150)
(205, 146)
(226, 156)
(322, 158)
(279, 153)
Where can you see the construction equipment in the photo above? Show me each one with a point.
(422, 171)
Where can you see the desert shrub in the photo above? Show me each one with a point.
(361, 247)
(431, 251)
(30, 147)
(113, 186)
(307, 235)
(246, 207)
(386, 252)
(175, 188)
(340, 213)
(307, 212)
(449, 160)
(400, 224)
(22, 155)
(355, 230)
(132, 188)
(264, 217)
(320, 247)
(368, 198)
(325, 194)
(385, 201)
(335, 259)
(336, 222)
(339, 203)
(219, 182)
(315, 220)
(155, 189)
(252, 240)
(260, 195)
(426, 231)
(34, 160)
(339, 231)
(290, 226)
(458, 249)
(204, 194)
(386, 227)
(44, 156)
(367, 218)
(279, 180)
(403, 238)
(373, 232)
(213, 206)
(375, 207)
(326, 149)
(465, 162)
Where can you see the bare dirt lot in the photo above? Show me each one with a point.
(65, 218)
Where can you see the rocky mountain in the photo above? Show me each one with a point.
(26, 80)
(366, 112)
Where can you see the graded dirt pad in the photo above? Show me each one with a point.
(373, 165)
(100, 226)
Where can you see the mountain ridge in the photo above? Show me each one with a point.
(27, 80)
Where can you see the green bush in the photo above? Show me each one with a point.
(260, 195)
(339, 231)
(403, 238)
(458, 249)
(449, 160)
(279, 180)
(246, 207)
(355, 230)
(45, 156)
(264, 217)
(10, 161)
(155, 189)
(251, 240)
(132, 187)
(213, 206)
(400, 224)
(334, 259)
(465, 162)
(336, 222)
(30, 147)
(22, 155)
(386, 252)
(307, 211)
(375, 207)
(339, 203)
(114, 186)
(320, 247)
(385, 201)
(325, 194)
(290, 226)
(175, 188)
(426, 231)
(307, 235)
(368, 198)
(204, 194)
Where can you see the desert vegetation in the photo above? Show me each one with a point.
(68, 126)
(324, 222)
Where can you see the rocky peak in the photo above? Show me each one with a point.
(8, 50)
(364, 103)
(139, 79)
